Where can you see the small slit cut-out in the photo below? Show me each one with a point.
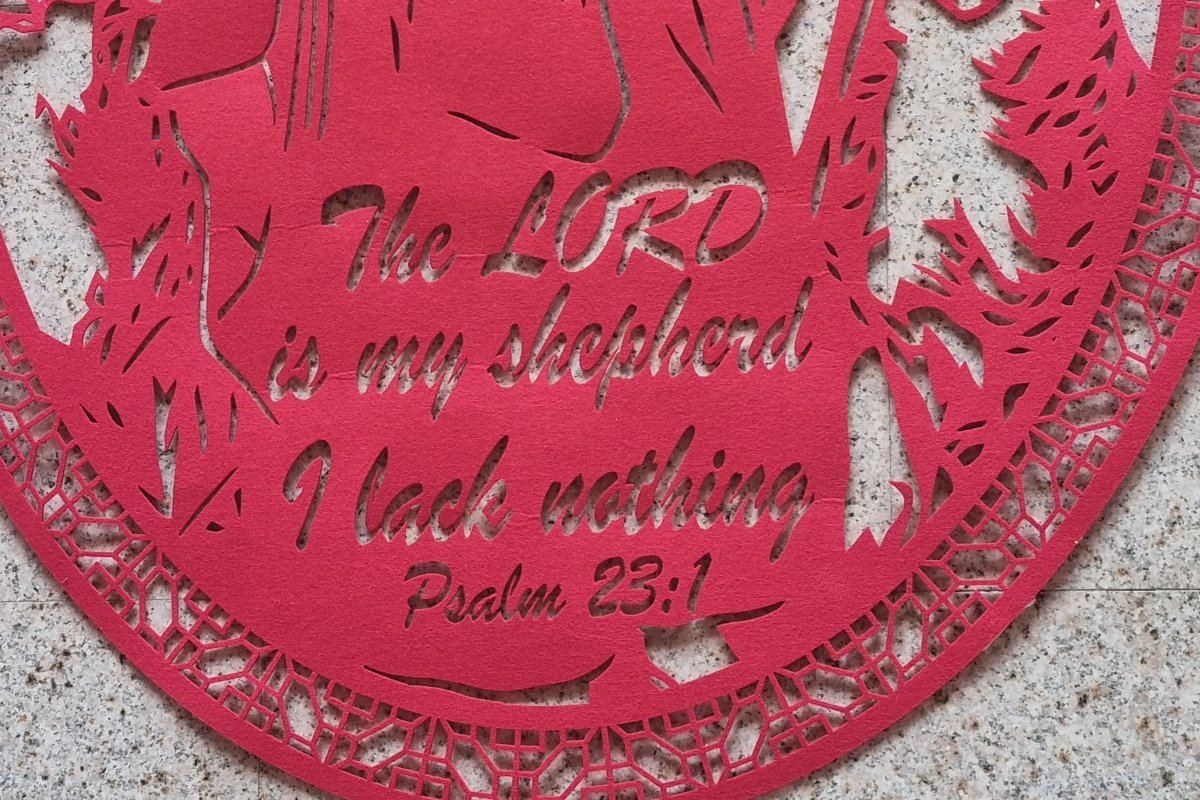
(501, 393)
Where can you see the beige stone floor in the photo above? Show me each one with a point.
(1094, 692)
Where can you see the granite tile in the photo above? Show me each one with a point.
(1092, 693)
(1088, 695)
(1149, 535)
(54, 251)
(278, 785)
(937, 150)
(22, 576)
(80, 722)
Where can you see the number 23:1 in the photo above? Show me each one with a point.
(644, 570)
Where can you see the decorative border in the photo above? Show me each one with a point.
(776, 729)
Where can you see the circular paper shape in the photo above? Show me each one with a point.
(458, 369)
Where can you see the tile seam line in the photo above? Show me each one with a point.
(1135, 590)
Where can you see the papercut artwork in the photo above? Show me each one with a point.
(456, 367)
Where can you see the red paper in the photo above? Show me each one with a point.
(448, 353)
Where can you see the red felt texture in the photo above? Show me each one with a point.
(447, 353)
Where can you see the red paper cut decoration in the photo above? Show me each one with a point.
(449, 355)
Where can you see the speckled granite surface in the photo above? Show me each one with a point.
(1093, 693)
